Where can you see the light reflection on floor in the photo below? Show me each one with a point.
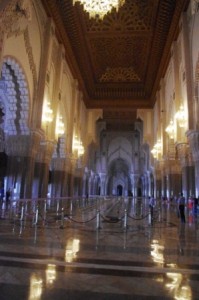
(142, 260)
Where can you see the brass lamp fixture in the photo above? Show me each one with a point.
(99, 8)
(170, 129)
(77, 146)
(60, 128)
(47, 115)
(180, 116)
(157, 148)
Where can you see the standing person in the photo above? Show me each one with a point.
(181, 207)
(151, 206)
(195, 206)
(8, 194)
(2, 193)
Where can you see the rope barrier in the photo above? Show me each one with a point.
(37, 212)
(108, 219)
(141, 218)
(81, 222)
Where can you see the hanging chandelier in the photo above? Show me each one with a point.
(99, 8)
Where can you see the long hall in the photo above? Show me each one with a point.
(98, 249)
(99, 115)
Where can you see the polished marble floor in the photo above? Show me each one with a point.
(91, 252)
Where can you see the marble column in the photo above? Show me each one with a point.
(58, 177)
(21, 151)
(157, 179)
(42, 167)
(188, 180)
(103, 184)
(135, 181)
(85, 191)
(173, 178)
(193, 139)
(78, 179)
(72, 177)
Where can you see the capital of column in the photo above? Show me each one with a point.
(135, 178)
(58, 164)
(193, 139)
(46, 149)
(75, 163)
(158, 174)
(184, 154)
(173, 166)
(159, 164)
(103, 177)
(23, 145)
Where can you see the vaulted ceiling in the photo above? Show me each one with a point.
(119, 60)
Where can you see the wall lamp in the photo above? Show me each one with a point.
(170, 130)
(181, 117)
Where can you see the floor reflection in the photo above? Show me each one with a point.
(176, 283)
(36, 285)
(72, 248)
(179, 286)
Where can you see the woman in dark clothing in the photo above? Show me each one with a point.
(181, 207)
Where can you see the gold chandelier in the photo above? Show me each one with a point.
(99, 8)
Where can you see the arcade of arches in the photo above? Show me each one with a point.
(50, 143)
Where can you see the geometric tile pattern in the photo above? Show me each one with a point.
(14, 87)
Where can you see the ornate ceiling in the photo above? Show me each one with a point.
(119, 60)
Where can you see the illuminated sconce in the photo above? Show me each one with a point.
(60, 128)
(154, 153)
(47, 113)
(156, 149)
(77, 146)
(80, 149)
(170, 130)
(75, 143)
(180, 116)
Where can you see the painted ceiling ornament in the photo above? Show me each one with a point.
(195, 6)
(24, 9)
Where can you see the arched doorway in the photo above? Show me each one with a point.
(139, 188)
(119, 178)
(119, 190)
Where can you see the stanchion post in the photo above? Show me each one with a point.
(150, 217)
(71, 206)
(159, 214)
(22, 212)
(36, 215)
(57, 206)
(125, 220)
(44, 218)
(98, 220)
(62, 218)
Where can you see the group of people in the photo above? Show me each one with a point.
(181, 208)
(192, 205)
(7, 195)
(181, 203)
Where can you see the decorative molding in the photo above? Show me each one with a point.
(193, 138)
(45, 152)
(120, 75)
(22, 145)
(30, 56)
(184, 154)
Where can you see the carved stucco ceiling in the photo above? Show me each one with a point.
(119, 60)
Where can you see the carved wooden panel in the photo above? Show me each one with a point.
(118, 60)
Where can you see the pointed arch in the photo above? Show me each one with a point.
(15, 89)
